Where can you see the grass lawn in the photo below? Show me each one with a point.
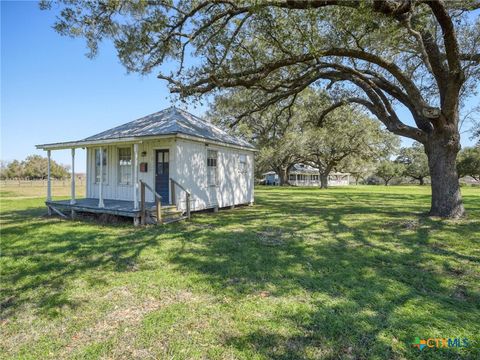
(344, 273)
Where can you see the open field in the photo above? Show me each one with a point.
(344, 273)
(38, 188)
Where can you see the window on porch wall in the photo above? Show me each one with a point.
(125, 166)
(97, 165)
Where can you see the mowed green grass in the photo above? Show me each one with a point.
(343, 273)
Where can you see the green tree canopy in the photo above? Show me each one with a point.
(415, 162)
(359, 169)
(469, 162)
(13, 170)
(34, 167)
(344, 135)
(388, 170)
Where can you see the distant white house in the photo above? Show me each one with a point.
(172, 155)
(271, 178)
(306, 175)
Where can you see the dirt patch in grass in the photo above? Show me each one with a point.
(122, 320)
(413, 224)
(461, 293)
(271, 237)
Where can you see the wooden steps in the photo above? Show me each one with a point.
(172, 220)
(170, 214)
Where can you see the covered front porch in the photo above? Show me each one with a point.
(144, 205)
(146, 213)
(112, 207)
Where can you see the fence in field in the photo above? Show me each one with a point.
(40, 183)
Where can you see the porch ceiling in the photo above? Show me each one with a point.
(87, 143)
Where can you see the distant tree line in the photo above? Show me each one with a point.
(412, 163)
(34, 167)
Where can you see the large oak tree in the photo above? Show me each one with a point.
(422, 55)
(344, 135)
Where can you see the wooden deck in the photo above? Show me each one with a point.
(113, 207)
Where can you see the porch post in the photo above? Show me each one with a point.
(296, 179)
(135, 176)
(72, 200)
(49, 177)
(100, 184)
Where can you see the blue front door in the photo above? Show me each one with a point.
(162, 174)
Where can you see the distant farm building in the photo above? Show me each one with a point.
(306, 175)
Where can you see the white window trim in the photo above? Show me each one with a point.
(118, 166)
(216, 168)
(240, 170)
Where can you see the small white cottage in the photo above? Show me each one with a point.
(169, 160)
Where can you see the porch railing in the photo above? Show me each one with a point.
(174, 184)
(143, 209)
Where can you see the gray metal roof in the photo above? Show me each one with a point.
(307, 169)
(304, 169)
(169, 122)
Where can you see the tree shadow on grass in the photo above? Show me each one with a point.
(365, 281)
(41, 256)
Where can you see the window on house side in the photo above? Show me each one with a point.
(243, 163)
(212, 175)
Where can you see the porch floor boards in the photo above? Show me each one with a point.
(113, 207)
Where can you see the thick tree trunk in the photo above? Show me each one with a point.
(422, 182)
(282, 176)
(323, 181)
(442, 150)
(386, 181)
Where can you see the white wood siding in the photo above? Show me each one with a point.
(188, 166)
(234, 187)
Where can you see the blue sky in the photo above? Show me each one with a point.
(51, 92)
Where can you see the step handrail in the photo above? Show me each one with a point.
(158, 203)
(187, 195)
